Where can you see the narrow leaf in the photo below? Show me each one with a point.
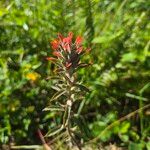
(53, 108)
(136, 97)
(57, 95)
(82, 87)
(55, 132)
(55, 88)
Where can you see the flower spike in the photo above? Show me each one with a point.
(68, 51)
(67, 58)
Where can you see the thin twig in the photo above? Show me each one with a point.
(45, 145)
(118, 121)
(68, 117)
(27, 147)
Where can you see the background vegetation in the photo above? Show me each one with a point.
(118, 32)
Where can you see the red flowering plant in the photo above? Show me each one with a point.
(67, 53)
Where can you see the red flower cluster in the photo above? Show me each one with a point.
(67, 50)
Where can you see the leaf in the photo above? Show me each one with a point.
(49, 134)
(97, 127)
(54, 78)
(148, 145)
(134, 135)
(102, 39)
(82, 65)
(67, 78)
(136, 97)
(124, 138)
(144, 88)
(53, 108)
(57, 95)
(55, 88)
(82, 87)
(128, 57)
(124, 127)
(83, 127)
(3, 11)
(135, 146)
(107, 38)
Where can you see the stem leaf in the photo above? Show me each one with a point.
(57, 95)
(82, 87)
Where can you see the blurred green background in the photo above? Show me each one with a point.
(118, 31)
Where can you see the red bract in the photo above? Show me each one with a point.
(55, 44)
(67, 48)
(68, 51)
(57, 54)
(60, 37)
(50, 58)
(68, 39)
(68, 65)
(79, 50)
(79, 40)
(66, 42)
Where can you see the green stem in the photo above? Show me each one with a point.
(141, 106)
(141, 114)
(27, 147)
(68, 117)
(72, 138)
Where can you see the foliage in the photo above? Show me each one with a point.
(118, 32)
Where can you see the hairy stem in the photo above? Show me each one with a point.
(72, 138)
